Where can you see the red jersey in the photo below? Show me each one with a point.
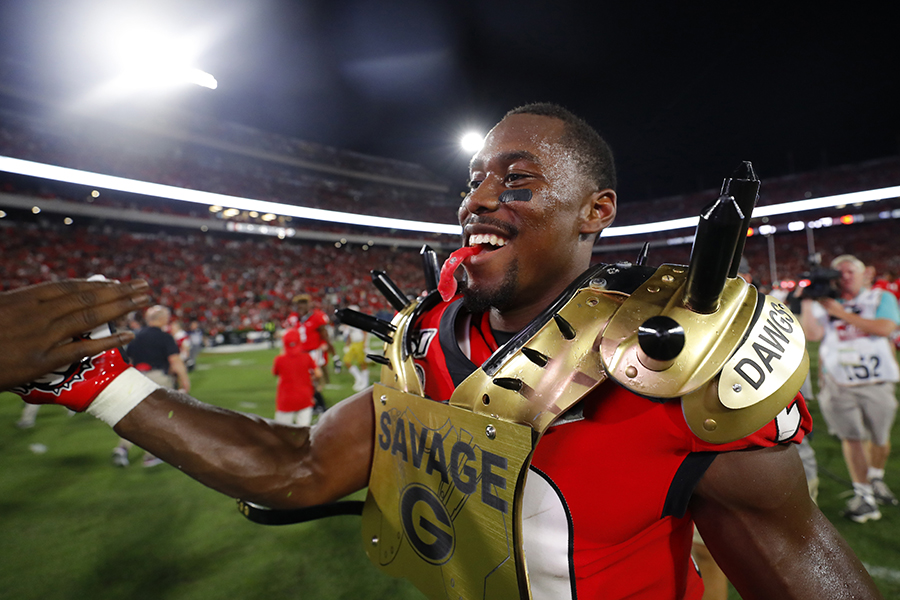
(309, 329)
(295, 386)
(605, 511)
(891, 286)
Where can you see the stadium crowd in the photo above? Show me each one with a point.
(234, 283)
(225, 283)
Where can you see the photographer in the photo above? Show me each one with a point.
(858, 370)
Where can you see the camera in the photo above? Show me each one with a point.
(823, 283)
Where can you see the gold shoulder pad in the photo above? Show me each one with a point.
(399, 371)
(535, 381)
(740, 365)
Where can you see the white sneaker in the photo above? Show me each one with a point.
(883, 494)
(120, 457)
(151, 461)
(860, 510)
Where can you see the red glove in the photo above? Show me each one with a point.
(77, 385)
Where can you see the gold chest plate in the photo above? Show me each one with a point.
(443, 504)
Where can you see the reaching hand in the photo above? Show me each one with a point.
(833, 307)
(40, 325)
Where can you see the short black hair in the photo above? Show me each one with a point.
(592, 152)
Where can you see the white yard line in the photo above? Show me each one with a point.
(883, 573)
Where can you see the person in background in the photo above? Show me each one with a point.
(154, 353)
(858, 373)
(195, 334)
(355, 355)
(312, 325)
(182, 340)
(297, 373)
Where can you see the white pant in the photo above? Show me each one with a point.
(297, 417)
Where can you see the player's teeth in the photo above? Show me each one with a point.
(483, 238)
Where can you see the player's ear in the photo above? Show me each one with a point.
(598, 212)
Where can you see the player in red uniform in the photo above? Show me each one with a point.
(296, 372)
(665, 460)
(312, 327)
(627, 497)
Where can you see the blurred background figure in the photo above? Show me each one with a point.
(296, 372)
(312, 326)
(182, 340)
(155, 353)
(197, 338)
(857, 371)
(355, 354)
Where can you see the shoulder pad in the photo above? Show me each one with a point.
(739, 367)
(513, 384)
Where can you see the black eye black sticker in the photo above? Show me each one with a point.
(518, 195)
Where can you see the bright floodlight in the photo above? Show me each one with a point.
(151, 57)
(202, 78)
(472, 142)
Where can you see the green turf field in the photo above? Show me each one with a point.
(72, 526)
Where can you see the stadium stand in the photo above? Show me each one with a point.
(201, 264)
(231, 283)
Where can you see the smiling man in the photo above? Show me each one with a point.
(505, 457)
(541, 192)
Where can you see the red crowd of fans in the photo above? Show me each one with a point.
(227, 284)
(231, 283)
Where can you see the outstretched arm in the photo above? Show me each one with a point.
(254, 459)
(754, 512)
(39, 324)
(244, 456)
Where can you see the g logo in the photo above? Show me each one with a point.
(427, 524)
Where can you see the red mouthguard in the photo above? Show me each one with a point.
(447, 284)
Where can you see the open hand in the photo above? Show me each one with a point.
(39, 324)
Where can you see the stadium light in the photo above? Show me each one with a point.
(158, 190)
(150, 56)
(471, 142)
(651, 227)
(201, 78)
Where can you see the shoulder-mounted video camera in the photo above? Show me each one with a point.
(823, 283)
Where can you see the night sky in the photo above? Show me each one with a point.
(683, 92)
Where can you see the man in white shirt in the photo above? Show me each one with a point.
(858, 372)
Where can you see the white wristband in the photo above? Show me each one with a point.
(122, 394)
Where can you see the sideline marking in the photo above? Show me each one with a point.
(885, 573)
